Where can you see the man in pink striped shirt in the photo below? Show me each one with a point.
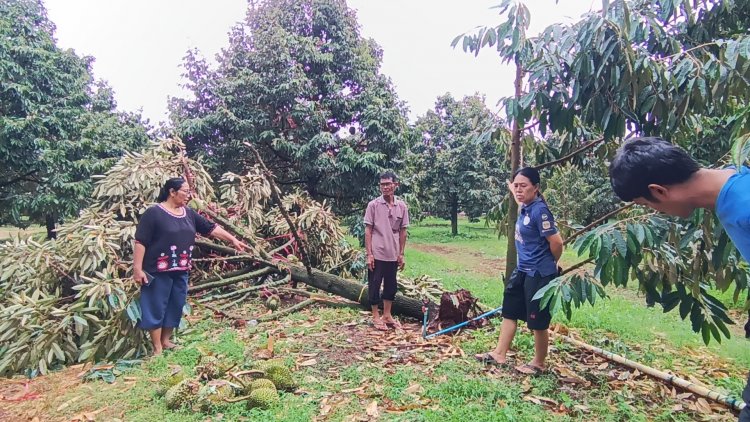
(386, 220)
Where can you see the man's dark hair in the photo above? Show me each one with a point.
(389, 175)
(644, 161)
(173, 184)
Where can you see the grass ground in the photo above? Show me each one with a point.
(349, 372)
(7, 232)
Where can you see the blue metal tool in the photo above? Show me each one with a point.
(457, 326)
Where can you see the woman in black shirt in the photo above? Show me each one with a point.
(164, 242)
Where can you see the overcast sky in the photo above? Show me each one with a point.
(139, 44)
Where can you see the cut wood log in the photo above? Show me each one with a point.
(357, 292)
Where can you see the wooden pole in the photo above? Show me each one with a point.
(670, 379)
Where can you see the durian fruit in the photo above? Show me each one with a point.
(214, 393)
(278, 373)
(263, 398)
(169, 382)
(260, 383)
(263, 364)
(210, 368)
(182, 394)
(273, 302)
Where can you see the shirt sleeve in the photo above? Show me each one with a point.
(369, 215)
(405, 221)
(144, 231)
(202, 225)
(545, 222)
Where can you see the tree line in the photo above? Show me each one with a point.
(300, 83)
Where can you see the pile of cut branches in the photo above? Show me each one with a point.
(72, 299)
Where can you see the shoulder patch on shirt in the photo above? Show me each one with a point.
(545, 216)
(546, 225)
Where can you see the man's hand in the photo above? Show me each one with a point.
(401, 262)
(371, 262)
(140, 277)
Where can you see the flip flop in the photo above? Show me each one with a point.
(529, 369)
(488, 359)
(394, 324)
(380, 326)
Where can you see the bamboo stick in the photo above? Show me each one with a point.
(202, 243)
(235, 301)
(232, 280)
(670, 379)
(222, 276)
(245, 290)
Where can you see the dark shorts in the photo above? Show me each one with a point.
(745, 413)
(385, 274)
(162, 300)
(517, 303)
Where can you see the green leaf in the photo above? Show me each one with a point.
(705, 332)
(622, 247)
(696, 316)
(741, 151)
(720, 324)
(685, 305)
(670, 301)
(640, 233)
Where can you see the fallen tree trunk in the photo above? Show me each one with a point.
(353, 291)
(330, 283)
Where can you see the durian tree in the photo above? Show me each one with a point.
(453, 164)
(58, 126)
(648, 68)
(299, 82)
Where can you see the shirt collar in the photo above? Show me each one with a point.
(381, 200)
(525, 207)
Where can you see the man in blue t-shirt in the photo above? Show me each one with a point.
(659, 175)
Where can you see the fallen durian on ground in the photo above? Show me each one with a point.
(263, 398)
(260, 383)
(214, 393)
(169, 382)
(276, 371)
(183, 394)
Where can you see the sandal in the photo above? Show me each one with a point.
(488, 359)
(380, 326)
(394, 324)
(529, 369)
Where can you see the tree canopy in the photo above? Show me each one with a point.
(657, 68)
(299, 82)
(58, 126)
(453, 164)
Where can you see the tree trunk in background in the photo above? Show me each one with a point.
(515, 162)
(50, 222)
(454, 216)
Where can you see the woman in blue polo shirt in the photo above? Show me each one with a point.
(539, 248)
